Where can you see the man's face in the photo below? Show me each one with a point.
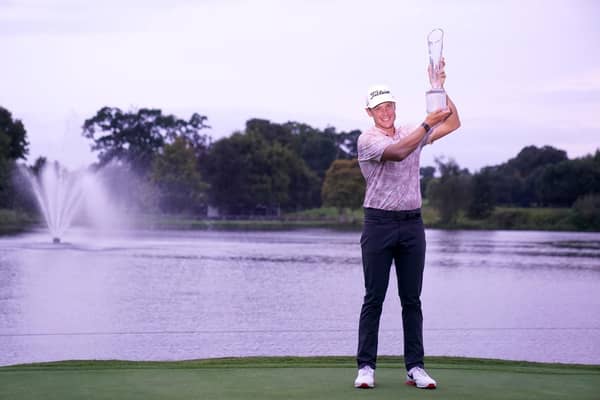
(384, 114)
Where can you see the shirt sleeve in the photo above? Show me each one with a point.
(371, 146)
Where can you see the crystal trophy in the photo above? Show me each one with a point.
(436, 96)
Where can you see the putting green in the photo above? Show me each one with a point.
(295, 378)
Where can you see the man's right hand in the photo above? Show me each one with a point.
(438, 116)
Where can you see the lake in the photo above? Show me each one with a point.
(175, 295)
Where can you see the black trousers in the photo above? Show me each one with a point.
(397, 236)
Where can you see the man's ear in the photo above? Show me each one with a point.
(369, 113)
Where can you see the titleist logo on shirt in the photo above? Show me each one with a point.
(377, 93)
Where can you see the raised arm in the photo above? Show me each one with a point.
(400, 150)
(451, 123)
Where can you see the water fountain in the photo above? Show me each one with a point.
(63, 196)
(59, 194)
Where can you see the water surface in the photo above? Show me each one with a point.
(173, 295)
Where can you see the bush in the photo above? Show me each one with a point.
(531, 218)
(586, 212)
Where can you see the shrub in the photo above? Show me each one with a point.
(586, 212)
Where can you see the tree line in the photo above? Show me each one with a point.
(535, 177)
(170, 165)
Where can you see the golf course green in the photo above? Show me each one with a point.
(295, 378)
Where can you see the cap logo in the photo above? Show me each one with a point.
(376, 93)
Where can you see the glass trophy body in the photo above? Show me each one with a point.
(436, 96)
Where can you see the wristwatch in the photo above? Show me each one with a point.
(426, 127)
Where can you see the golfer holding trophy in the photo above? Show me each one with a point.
(393, 230)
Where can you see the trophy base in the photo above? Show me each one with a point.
(436, 100)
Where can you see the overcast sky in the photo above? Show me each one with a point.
(520, 72)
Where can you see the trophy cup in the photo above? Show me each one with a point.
(436, 96)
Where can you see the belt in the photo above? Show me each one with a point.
(398, 215)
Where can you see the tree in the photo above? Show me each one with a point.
(13, 146)
(481, 204)
(344, 185)
(305, 184)
(449, 194)
(247, 174)
(137, 137)
(317, 150)
(427, 174)
(561, 184)
(177, 178)
(13, 137)
(38, 165)
(23, 194)
(345, 142)
(513, 182)
(531, 157)
(271, 132)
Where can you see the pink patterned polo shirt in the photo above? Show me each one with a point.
(391, 185)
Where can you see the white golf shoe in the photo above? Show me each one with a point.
(419, 378)
(365, 378)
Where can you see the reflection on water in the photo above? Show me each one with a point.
(182, 295)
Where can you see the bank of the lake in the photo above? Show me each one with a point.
(502, 218)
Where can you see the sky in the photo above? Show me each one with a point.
(520, 72)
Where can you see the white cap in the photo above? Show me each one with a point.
(379, 94)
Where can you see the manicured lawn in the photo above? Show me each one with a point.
(294, 378)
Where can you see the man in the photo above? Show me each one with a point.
(393, 229)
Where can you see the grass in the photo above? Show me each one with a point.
(516, 218)
(294, 378)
